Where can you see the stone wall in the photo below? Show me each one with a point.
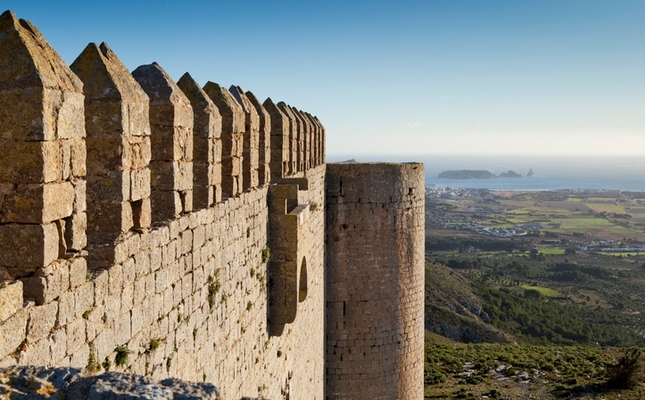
(175, 279)
(375, 281)
(172, 230)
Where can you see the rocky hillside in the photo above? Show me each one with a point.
(454, 311)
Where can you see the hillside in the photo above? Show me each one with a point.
(454, 311)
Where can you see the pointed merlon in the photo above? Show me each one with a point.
(118, 145)
(171, 125)
(207, 157)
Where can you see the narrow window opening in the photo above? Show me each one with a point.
(302, 293)
(183, 197)
(137, 208)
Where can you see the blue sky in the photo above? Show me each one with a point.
(404, 77)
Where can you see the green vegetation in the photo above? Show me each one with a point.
(511, 371)
(266, 254)
(93, 365)
(154, 344)
(107, 364)
(627, 373)
(121, 358)
(547, 313)
(551, 251)
(542, 291)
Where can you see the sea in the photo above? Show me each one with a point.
(549, 172)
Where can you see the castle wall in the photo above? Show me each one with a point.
(375, 280)
(164, 289)
(212, 220)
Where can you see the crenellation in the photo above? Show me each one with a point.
(118, 146)
(301, 138)
(264, 141)
(251, 140)
(292, 137)
(207, 163)
(279, 141)
(171, 125)
(233, 120)
(206, 220)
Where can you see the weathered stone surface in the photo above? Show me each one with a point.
(293, 137)
(279, 142)
(189, 295)
(118, 130)
(375, 249)
(207, 179)
(33, 68)
(42, 127)
(10, 299)
(41, 321)
(171, 123)
(70, 383)
(12, 332)
(232, 138)
(264, 140)
(26, 248)
(251, 139)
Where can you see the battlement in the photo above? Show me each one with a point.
(138, 149)
(169, 229)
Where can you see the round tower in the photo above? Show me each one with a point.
(374, 281)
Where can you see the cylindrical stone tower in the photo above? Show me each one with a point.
(375, 280)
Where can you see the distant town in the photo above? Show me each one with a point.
(535, 215)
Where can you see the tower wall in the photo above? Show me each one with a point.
(374, 281)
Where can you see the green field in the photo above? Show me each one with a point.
(552, 251)
(608, 208)
(544, 291)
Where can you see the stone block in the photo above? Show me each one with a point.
(79, 358)
(165, 204)
(77, 272)
(78, 157)
(66, 110)
(75, 232)
(115, 283)
(80, 196)
(30, 162)
(39, 203)
(12, 332)
(11, 299)
(44, 289)
(37, 353)
(41, 321)
(122, 326)
(76, 336)
(104, 344)
(65, 309)
(140, 184)
(101, 284)
(83, 299)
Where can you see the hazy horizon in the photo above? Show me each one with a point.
(415, 76)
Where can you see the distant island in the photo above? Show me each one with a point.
(466, 174)
(510, 174)
(478, 174)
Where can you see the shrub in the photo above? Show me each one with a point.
(154, 344)
(627, 372)
(266, 254)
(121, 358)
